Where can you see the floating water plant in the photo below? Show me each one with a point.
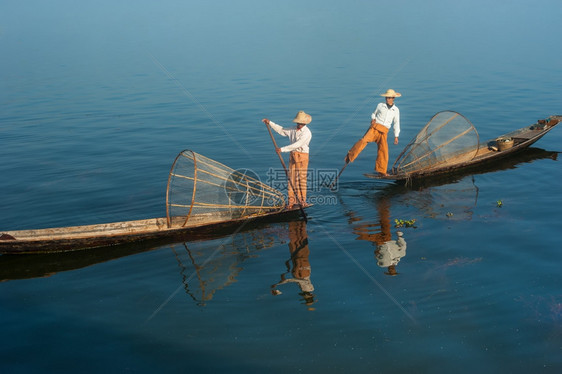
(405, 223)
(499, 203)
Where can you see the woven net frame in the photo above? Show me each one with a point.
(201, 190)
(447, 139)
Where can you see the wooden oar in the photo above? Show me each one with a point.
(287, 173)
(332, 185)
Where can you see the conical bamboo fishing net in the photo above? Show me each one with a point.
(201, 190)
(448, 138)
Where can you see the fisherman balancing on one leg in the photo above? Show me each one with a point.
(300, 136)
(385, 115)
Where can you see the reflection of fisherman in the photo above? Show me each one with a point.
(389, 254)
(300, 264)
(377, 233)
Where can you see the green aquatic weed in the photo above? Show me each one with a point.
(405, 223)
(499, 203)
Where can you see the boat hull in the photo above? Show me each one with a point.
(64, 239)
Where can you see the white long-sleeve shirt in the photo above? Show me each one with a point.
(300, 139)
(386, 117)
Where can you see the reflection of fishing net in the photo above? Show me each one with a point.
(201, 190)
(448, 138)
(204, 274)
(451, 202)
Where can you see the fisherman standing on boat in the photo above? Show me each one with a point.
(300, 136)
(382, 118)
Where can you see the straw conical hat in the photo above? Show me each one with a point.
(302, 117)
(391, 93)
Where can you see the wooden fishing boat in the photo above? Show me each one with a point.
(153, 230)
(450, 143)
(204, 199)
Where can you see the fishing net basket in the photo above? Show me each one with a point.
(201, 190)
(447, 139)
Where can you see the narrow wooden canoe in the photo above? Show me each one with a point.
(156, 230)
(204, 199)
(484, 153)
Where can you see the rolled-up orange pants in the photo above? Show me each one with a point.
(298, 169)
(376, 133)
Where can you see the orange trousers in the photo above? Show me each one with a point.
(298, 170)
(376, 133)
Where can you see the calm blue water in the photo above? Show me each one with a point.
(98, 99)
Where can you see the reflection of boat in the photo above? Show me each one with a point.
(47, 264)
(449, 143)
(204, 198)
(453, 196)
